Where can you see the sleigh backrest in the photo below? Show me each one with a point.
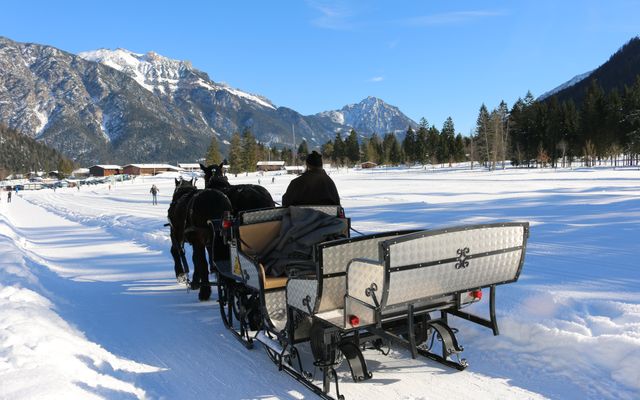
(430, 264)
(333, 259)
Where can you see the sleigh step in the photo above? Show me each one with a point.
(271, 343)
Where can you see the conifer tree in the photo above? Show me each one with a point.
(286, 155)
(387, 144)
(235, 154)
(421, 147)
(631, 119)
(327, 150)
(248, 153)
(409, 146)
(395, 151)
(364, 150)
(338, 150)
(65, 167)
(503, 111)
(303, 151)
(433, 143)
(352, 147)
(482, 134)
(375, 150)
(213, 155)
(458, 149)
(447, 141)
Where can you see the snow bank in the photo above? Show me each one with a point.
(41, 355)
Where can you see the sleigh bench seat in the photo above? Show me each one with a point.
(325, 291)
(257, 230)
(382, 277)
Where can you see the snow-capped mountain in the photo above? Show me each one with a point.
(120, 106)
(163, 75)
(567, 84)
(369, 116)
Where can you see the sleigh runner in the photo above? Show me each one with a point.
(362, 292)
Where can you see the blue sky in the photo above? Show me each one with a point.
(432, 59)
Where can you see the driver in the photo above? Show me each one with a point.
(313, 187)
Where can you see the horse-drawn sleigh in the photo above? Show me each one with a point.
(339, 295)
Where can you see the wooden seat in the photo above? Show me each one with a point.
(272, 282)
(254, 239)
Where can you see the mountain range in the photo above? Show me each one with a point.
(117, 106)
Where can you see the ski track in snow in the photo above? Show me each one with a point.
(89, 307)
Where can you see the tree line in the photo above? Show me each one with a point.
(425, 145)
(604, 126)
(244, 151)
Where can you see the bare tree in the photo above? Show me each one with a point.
(562, 146)
(472, 151)
(495, 137)
(589, 152)
(614, 151)
(543, 156)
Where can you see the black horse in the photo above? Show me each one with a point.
(243, 197)
(188, 214)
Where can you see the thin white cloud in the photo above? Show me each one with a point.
(333, 15)
(377, 79)
(454, 17)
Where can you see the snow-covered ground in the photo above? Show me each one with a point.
(89, 307)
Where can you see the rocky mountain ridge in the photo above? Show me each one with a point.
(120, 106)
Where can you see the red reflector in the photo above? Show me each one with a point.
(477, 294)
(354, 320)
(226, 224)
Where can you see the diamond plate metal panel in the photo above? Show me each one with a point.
(334, 317)
(336, 258)
(366, 314)
(333, 291)
(274, 214)
(329, 210)
(270, 214)
(361, 275)
(276, 304)
(445, 245)
(414, 284)
(248, 271)
(298, 290)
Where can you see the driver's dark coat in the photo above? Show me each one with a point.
(313, 187)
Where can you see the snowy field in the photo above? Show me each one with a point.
(89, 307)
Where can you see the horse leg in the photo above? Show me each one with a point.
(201, 269)
(180, 264)
(176, 253)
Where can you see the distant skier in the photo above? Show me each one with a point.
(154, 193)
(9, 196)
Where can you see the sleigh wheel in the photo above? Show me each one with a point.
(224, 303)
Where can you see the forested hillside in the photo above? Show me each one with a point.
(595, 119)
(21, 154)
(619, 71)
